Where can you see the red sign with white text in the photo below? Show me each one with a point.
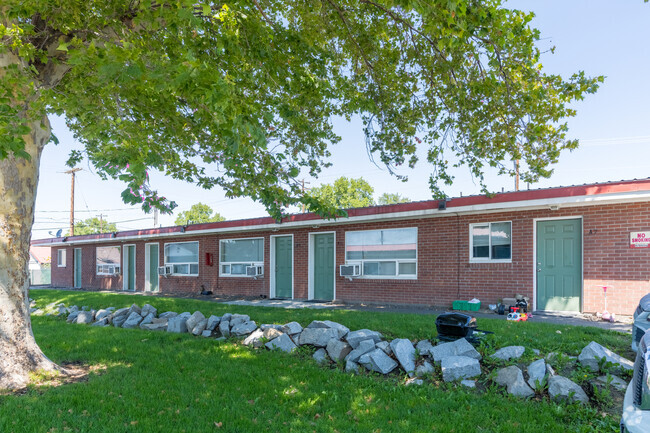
(640, 239)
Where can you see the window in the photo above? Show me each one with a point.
(108, 260)
(183, 257)
(237, 254)
(491, 241)
(60, 258)
(390, 253)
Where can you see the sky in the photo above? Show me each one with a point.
(600, 37)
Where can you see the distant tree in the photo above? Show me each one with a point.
(91, 226)
(345, 193)
(198, 213)
(392, 198)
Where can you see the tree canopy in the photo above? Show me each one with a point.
(242, 94)
(392, 198)
(344, 193)
(93, 225)
(198, 213)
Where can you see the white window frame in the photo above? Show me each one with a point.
(488, 259)
(197, 263)
(397, 262)
(61, 257)
(111, 268)
(221, 264)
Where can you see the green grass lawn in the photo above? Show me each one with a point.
(153, 382)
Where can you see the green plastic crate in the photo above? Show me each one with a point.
(460, 305)
(473, 306)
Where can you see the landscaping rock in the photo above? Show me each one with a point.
(271, 333)
(159, 320)
(318, 337)
(413, 381)
(613, 381)
(385, 346)
(424, 369)
(342, 330)
(161, 326)
(213, 322)
(292, 328)
(132, 321)
(71, 310)
(283, 343)
(148, 309)
(561, 388)
(237, 319)
(513, 379)
(378, 361)
(338, 350)
(510, 352)
(119, 320)
(424, 347)
(320, 356)
(459, 367)
(101, 322)
(468, 383)
(405, 354)
(536, 373)
(244, 328)
(102, 313)
(206, 333)
(72, 317)
(194, 320)
(266, 326)
(549, 370)
(296, 338)
(85, 317)
(356, 337)
(199, 327)
(255, 339)
(226, 317)
(351, 367)
(147, 320)
(134, 309)
(168, 315)
(177, 324)
(592, 354)
(460, 347)
(224, 328)
(364, 347)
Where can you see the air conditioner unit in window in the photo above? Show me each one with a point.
(164, 270)
(350, 270)
(254, 271)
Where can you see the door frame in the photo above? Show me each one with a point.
(147, 267)
(582, 257)
(310, 280)
(272, 264)
(125, 269)
(74, 268)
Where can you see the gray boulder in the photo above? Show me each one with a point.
(320, 356)
(424, 347)
(194, 320)
(338, 350)
(364, 347)
(244, 328)
(224, 328)
(510, 352)
(513, 379)
(206, 333)
(561, 388)
(73, 309)
(237, 319)
(385, 346)
(593, 353)
(468, 383)
(177, 324)
(378, 361)
(460, 347)
(266, 326)
(271, 333)
(613, 381)
(147, 320)
(318, 337)
(405, 354)
(168, 315)
(119, 320)
(73, 317)
(226, 317)
(213, 322)
(102, 313)
(148, 309)
(356, 337)
(459, 367)
(342, 330)
(283, 343)
(160, 326)
(414, 381)
(536, 373)
(292, 328)
(255, 339)
(101, 322)
(121, 312)
(351, 367)
(132, 321)
(134, 309)
(424, 369)
(199, 327)
(85, 317)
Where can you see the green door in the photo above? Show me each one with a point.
(559, 265)
(324, 267)
(129, 269)
(77, 268)
(283, 267)
(153, 257)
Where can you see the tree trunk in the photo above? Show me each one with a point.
(19, 353)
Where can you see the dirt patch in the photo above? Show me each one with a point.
(72, 372)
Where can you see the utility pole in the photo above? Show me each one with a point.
(72, 172)
(101, 223)
(302, 182)
(516, 175)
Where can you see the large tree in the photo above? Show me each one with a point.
(392, 198)
(93, 225)
(242, 95)
(198, 213)
(344, 193)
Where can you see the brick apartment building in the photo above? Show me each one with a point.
(558, 246)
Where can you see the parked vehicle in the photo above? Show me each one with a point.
(636, 404)
(641, 321)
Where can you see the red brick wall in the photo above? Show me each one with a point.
(444, 271)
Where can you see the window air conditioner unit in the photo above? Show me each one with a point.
(254, 271)
(351, 270)
(164, 270)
